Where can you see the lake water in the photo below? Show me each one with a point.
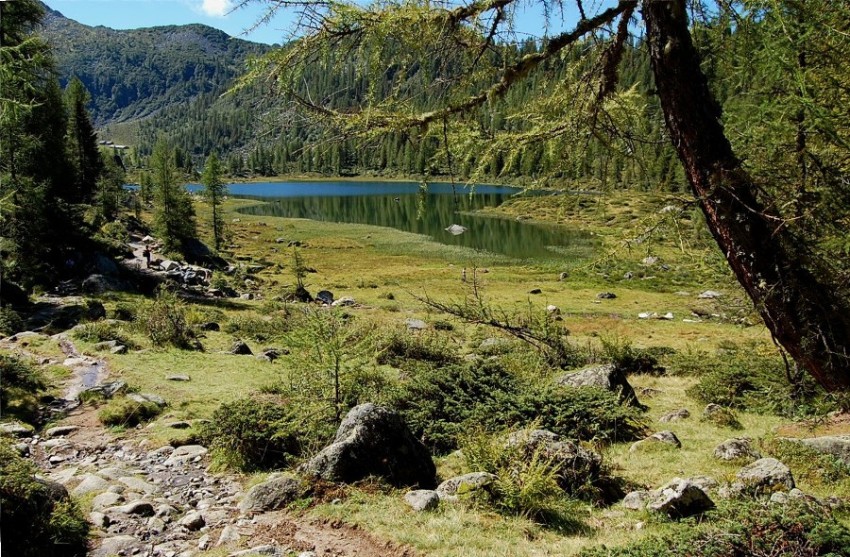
(408, 207)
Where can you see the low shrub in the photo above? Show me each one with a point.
(746, 529)
(163, 320)
(747, 377)
(254, 433)
(439, 403)
(100, 331)
(630, 359)
(20, 384)
(123, 312)
(259, 327)
(126, 412)
(10, 321)
(400, 348)
(38, 518)
(526, 485)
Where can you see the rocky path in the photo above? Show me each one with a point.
(164, 501)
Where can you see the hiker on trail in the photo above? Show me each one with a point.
(147, 254)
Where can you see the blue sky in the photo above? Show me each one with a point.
(131, 14)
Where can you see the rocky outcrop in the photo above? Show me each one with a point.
(374, 441)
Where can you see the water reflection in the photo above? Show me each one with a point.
(407, 207)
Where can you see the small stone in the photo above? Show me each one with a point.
(606, 296)
(141, 508)
(179, 425)
(90, 484)
(61, 431)
(737, 448)
(680, 498)
(118, 350)
(415, 324)
(765, 475)
(156, 525)
(241, 348)
(422, 499)
(675, 416)
(100, 520)
(709, 295)
(659, 439)
(637, 500)
(192, 521)
(345, 301)
(229, 535)
(553, 310)
(259, 550)
(137, 484)
(535, 291)
(178, 378)
(465, 485)
(105, 500)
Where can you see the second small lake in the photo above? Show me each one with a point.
(422, 210)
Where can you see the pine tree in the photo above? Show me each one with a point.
(82, 144)
(174, 216)
(214, 191)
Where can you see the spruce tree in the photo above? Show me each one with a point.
(174, 216)
(82, 144)
(214, 191)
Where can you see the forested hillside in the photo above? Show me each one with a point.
(134, 74)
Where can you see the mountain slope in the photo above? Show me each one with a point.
(133, 74)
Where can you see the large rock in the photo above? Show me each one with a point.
(186, 453)
(241, 348)
(90, 484)
(16, 429)
(681, 414)
(607, 376)
(680, 498)
(272, 494)
(835, 445)
(374, 441)
(763, 477)
(577, 465)
(660, 439)
(737, 448)
(465, 485)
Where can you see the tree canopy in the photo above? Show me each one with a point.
(439, 69)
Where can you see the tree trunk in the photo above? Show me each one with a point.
(800, 304)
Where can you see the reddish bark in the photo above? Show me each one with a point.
(795, 296)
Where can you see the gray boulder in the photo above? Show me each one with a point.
(606, 376)
(737, 448)
(184, 454)
(675, 416)
(465, 485)
(763, 476)
(61, 431)
(139, 508)
(577, 464)
(272, 494)
(16, 429)
(110, 389)
(637, 500)
(665, 439)
(835, 445)
(422, 499)
(325, 296)
(680, 498)
(374, 441)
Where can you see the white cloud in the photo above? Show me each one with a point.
(215, 8)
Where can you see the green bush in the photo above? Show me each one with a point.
(633, 360)
(163, 320)
(100, 331)
(20, 383)
(746, 529)
(39, 520)
(254, 433)
(10, 321)
(526, 484)
(126, 412)
(259, 327)
(747, 377)
(401, 348)
(439, 403)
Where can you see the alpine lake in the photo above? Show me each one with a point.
(446, 213)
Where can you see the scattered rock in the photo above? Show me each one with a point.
(90, 484)
(118, 350)
(16, 429)
(117, 545)
(737, 448)
(106, 345)
(720, 416)
(110, 389)
(659, 439)
(259, 550)
(680, 498)
(763, 476)
(325, 296)
(649, 261)
(455, 229)
(185, 453)
(139, 508)
(563, 276)
(345, 301)
(99, 520)
(606, 296)
(675, 416)
(709, 295)
(374, 441)
(241, 348)
(61, 431)
(179, 425)
(271, 354)
(553, 310)
(415, 324)
(578, 465)
(229, 534)
(193, 521)
(835, 445)
(178, 378)
(272, 494)
(637, 500)
(137, 484)
(606, 376)
(210, 326)
(465, 485)
(147, 397)
(106, 500)
(422, 499)
(535, 291)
